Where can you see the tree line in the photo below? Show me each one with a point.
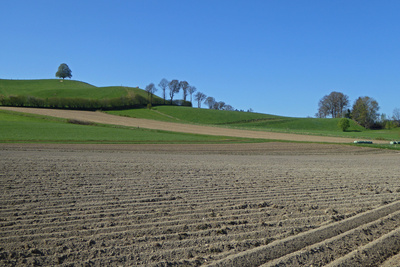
(364, 111)
(175, 86)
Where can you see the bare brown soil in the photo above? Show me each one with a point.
(272, 204)
(100, 117)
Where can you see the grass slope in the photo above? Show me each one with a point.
(194, 115)
(241, 120)
(258, 121)
(65, 89)
(19, 127)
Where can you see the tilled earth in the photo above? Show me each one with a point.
(271, 204)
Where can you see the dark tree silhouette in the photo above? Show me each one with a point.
(63, 71)
(174, 88)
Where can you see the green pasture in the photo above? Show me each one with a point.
(194, 115)
(259, 122)
(18, 127)
(65, 89)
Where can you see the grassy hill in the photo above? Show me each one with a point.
(64, 88)
(258, 121)
(70, 91)
(194, 115)
(55, 93)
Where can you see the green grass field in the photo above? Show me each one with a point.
(259, 122)
(19, 127)
(64, 89)
(193, 115)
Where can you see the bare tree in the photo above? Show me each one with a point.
(220, 105)
(333, 105)
(210, 101)
(199, 97)
(396, 115)
(191, 90)
(174, 88)
(229, 107)
(184, 85)
(163, 84)
(150, 89)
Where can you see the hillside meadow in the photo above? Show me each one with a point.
(258, 122)
(18, 127)
(64, 89)
(70, 94)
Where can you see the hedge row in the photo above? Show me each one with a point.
(123, 102)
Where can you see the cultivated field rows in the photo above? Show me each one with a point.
(149, 207)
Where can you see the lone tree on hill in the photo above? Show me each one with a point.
(64, 71)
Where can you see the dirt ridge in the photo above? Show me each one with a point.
(280, 248)
(185, 205)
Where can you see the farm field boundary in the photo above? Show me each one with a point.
(99, 117)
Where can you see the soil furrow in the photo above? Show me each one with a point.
(322, 253)
(179, 205)
(280, 248)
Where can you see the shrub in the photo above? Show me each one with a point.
(344, 124)
(2, 100)
(17, 100)
(80, 122)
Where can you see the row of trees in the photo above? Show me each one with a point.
(174, 87)
(364, 110)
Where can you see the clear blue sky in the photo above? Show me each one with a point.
(276, 57)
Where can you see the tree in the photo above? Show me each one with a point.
(191, 90)
(229, 107)
(365, 111)
(396, 115)
(150, 89)
(199, 97)
(63, 71)
(174, 88)
(210, 101)
(333, 105)
(344, 124)
(163, 84)
(220, 105)
(184, 85)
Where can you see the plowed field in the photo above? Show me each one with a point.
(272, 204)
